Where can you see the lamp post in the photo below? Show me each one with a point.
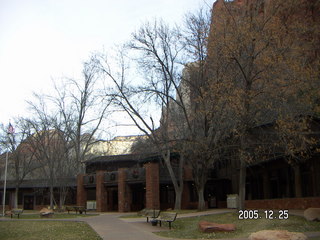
(10, 131)
(5, 186)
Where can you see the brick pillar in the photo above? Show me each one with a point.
(101, 192)
(123, 195)
(152, 186)
(81, 191)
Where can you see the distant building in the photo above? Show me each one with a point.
(116, 146)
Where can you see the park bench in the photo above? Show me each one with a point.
(149, 213)
(16, 211)
(77, 209)
(168, 217)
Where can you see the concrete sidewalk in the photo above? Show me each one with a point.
(110, 227)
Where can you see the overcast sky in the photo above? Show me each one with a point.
(42, 40)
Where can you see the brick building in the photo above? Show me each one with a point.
(131, 182)
(27, 180)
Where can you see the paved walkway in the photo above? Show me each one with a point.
(110, 227)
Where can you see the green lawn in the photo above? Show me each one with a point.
(39, 230)
(188, 227)
(56, 215)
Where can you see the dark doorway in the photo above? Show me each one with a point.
(115, 200)
(28, 202)
(112, 199)
(167, 196)
(138, 194)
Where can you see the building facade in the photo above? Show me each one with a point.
(132, 182)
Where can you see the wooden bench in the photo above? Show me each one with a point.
(77, 209)
(149, 213)
(168, 217)
(16, 212)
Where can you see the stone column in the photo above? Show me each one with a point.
(101, 192)
(152, 186)
(81, 191)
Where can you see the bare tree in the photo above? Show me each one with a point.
(82, 109)
(21, 161)
(46, 143)
(186, 121)
(63, 136)
(157, 52)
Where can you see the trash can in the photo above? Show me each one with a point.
(154, 222)
(232, 201)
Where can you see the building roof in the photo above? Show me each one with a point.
(143, 157)
(41, 183)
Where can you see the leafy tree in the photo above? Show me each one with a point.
(256, 63)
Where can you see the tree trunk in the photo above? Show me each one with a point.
(63, 194)
(178, 187)
(51, 197)
(177, 204)
(201, 202)
(242, 184)
(15, 204)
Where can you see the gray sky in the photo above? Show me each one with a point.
(42, 40)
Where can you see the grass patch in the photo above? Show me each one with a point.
(314, 238)
(188, 227)
(183, 211)
(55, 216)
(35, 230)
